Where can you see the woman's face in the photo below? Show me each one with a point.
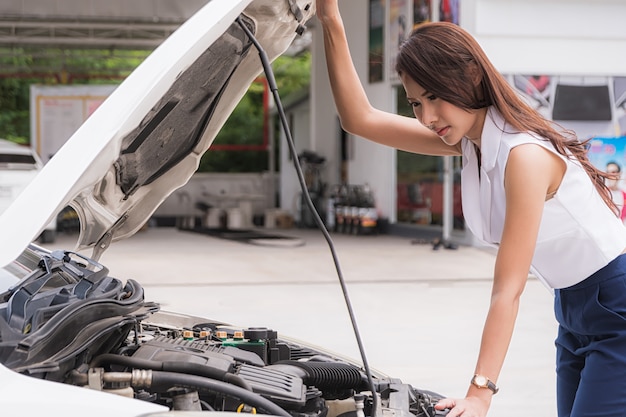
(449, 122)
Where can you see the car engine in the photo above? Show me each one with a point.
(66, 320)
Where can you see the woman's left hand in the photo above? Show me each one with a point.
(466, 407)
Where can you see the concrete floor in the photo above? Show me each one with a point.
(419, 311)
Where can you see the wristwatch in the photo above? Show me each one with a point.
(482, 381)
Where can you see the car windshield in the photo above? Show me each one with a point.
(16, 159)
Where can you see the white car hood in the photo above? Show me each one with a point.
(147, 138)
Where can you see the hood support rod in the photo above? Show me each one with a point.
(267, 68)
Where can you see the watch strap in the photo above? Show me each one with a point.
(488, 384)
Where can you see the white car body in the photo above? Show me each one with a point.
(19, 165)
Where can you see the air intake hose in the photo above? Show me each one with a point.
(327, 375)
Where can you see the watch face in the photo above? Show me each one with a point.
(480, 380)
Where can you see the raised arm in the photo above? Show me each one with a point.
(355, 111)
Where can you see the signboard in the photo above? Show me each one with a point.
(58, 111)
(399, 29)
(376, 58)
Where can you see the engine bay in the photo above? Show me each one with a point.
(66, 320)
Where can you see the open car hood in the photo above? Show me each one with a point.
(147, 138)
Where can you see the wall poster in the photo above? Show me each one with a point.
(376, 58)
(449, 11)
(399, 29)
(421, 12)
(601, 151)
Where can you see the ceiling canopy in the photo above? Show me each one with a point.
(136, 24)
(58, 34)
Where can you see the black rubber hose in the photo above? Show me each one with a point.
(163, 381)
(178, 367)
(329, 375)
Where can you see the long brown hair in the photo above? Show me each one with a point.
(448, 62)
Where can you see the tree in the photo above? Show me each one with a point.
(245, 125)
(14, 113)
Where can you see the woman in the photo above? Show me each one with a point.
(527, 187)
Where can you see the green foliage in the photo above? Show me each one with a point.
(64, 66)
(245, 125)
(14, 110)
(292, 73)
(14, 101)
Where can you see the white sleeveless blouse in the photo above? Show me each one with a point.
(578, 234)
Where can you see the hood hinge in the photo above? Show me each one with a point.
(297, 13)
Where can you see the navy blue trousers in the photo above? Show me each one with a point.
(591, 344)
